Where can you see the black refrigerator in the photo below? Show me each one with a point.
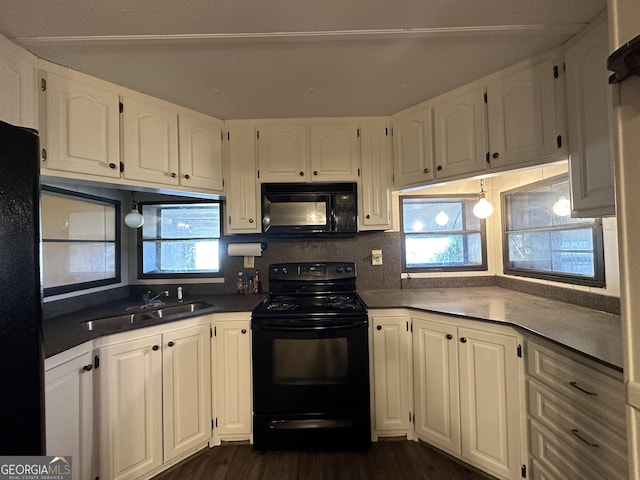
(21, 349)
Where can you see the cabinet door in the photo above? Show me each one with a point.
(232, 383)
(69, 408)
(391, 375)
(150, 141)
(243, 211)
(435, 373)
(460, 133)
(186, 355)
(283, 153)
(200, 152)
(131, 408)
(413, 148)
(375, 181)
(18, 98)
(489, 401)
(588, 112)
(523, 122)
(82, 124)
(335, 152)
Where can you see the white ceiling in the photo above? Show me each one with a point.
(292, 58)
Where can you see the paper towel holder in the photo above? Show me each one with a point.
(246, 249)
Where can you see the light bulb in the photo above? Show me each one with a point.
(442, 218)
(483, 208)
(134, 219)
(562, 207)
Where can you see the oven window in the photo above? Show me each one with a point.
(298, 213)
(310, 361)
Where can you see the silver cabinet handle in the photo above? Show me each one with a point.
(576, 433)
(578, 387)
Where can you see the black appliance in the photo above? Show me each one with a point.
(309, 209)
(311, 360)
(21, 354)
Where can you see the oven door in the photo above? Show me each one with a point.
(304, 370)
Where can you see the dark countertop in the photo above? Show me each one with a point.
(591, 333)
(64, 331)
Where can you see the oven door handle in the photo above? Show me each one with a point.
(315, 328)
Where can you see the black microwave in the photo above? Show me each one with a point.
(309, 209)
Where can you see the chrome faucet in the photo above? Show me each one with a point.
(148, 300)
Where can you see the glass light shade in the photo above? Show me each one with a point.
(442, 218)
(134, 219)
(562, 207)
(483, 208)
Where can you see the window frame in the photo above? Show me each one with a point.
(190, 275)
(72, 287)
(598, 280)
(483, 267)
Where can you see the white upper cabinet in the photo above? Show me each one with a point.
(460, 132)
(283, 152)
(374, 191)
(243, 189)
(524, 109)
(589, 109)
(150, 140)
(200, 151)
(80, 127)
(413, 147)
(18, 77)
(335, 151)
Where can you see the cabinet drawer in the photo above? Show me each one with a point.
(585, 433)
(590, 385)
(557, 460)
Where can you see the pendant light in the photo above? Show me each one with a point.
(442, 218)
(562, 207)
(483, 208)
(134, 219)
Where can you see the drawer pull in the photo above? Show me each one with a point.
(576, 433)
(575, 385)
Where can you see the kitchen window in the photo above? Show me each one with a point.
(179, 239)
(80, 241)
(440, 233)
(541, 240)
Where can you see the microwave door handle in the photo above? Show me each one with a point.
(332, 221)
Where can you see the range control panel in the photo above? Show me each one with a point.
(312, 271)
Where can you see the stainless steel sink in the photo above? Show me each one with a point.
(165, 312)
(121, 321)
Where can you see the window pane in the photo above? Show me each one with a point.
(180, 256)
(72, 263)
(426, 215)
(181, 221)
(80, 241)
(442, 233)
(180, 239)
(443, 250)
(68, 218)
(543, 241)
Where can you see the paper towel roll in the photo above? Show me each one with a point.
(244, 250)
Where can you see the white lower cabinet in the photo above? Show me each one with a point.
(232, 377)
(467, 391)
(154, 396)
(69, 409)
(576, 416)
(391, 379)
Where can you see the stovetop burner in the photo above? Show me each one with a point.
(311, 290)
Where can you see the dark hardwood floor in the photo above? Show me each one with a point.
(385, 460)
